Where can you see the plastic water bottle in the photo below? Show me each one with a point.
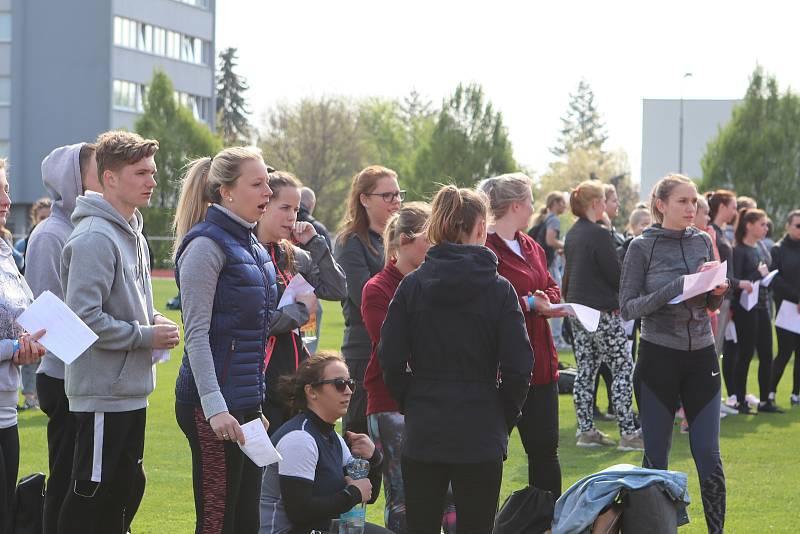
(352, 521)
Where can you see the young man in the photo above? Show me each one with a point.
(67, 172)
(106, 278)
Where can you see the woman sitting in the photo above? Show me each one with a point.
(308, 488)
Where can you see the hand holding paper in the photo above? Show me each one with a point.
(257, 445)
(702, 282)
(767, 280)
(749, 300)
(788, 317)
(589, 317)
(297, 286)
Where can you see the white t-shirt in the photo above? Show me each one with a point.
(513, 244)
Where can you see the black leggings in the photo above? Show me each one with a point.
(538, 431)
(754, 331)
(664, 376)
(604, 371)
(476, 489)
(788, 343)
(9, 469)
(730, 351)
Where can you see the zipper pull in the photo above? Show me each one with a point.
(233, 345)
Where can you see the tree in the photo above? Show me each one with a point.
(582, 127)
(180, 137)
(469, 142)
(232, 109)
(757, 153)
(318, 140)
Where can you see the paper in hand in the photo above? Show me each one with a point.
(67, 337)
(749, 300)
(257, 445)
(160, 355)
(788, 317)
(730, 332)
(767, 280)
(589, 317)
(703, 282)
(297, 286)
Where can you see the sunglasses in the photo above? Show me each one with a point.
(339, 383)
(390, 196)
(797, 225)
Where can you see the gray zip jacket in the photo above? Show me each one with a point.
(652, 275)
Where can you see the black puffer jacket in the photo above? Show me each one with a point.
(458, 326)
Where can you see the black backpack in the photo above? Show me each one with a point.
(28, 505)
(526, 511)
(539, 234)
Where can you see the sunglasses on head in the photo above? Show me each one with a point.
(338, 383)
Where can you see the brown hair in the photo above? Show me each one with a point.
(118, 148)
(454, 213)
(608, 189)
(550, 200)
(636, 217)
(747, 216)
(42, 203)
(200, 186)
(663, 189)
(504, 190)
(356, 220)
(85, 154)
(718, 198)
(277, 181)
(406, 223)
(792, 215)
(582, 196)
(291, 388)
(743, 201)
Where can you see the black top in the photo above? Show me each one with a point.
(725, 249)
(593, 270)
(745, 267)
(457, 325)
(786, 258)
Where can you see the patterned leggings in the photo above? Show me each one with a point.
(607, 344)
(386, 430)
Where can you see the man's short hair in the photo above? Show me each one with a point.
(85, 156)
(307, 197)
(118, 148)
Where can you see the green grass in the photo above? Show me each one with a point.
(761, 462)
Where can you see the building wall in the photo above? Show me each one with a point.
(660, 134)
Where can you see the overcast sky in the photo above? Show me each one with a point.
(527, 55)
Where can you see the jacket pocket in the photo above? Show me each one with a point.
(135, 379)
(226, 363)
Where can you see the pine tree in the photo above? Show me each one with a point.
(582, 125)
(232, 110)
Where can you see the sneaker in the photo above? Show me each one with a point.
(594, 438)
(769, 407)
(745, 409)
(685, 426)
(631, 442)
(794, 400)
(727, 410)
(752, 400)
(731, 401)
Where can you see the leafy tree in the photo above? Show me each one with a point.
(180, 137)
(469, 142)
(757, 153)
(582, 126)
(232, 109)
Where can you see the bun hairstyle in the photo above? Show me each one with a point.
(747, 216)
(454, 213)
(292, 388)
(504, 190)
(662, 191)
(581, 198)
(409, 221)
(356, 220)
(717, 198)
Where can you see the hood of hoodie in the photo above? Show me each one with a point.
(453, 274)
(94, 205)
(657, 230)
(61, 175)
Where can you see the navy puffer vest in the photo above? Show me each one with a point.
(245, 298)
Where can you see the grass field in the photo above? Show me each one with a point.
(761, 459)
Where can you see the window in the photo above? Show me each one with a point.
(5, 91)
(159, 41)
(5, 27)
(197, 3)
(128, 96)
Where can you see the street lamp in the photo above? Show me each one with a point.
(680, 127)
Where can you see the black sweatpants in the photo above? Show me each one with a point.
(476, 489)
(754, 332)
(108, 478)
(355, 420)
(60, 446)
(604, 371)
(664, 376)
(226, 483)
(788, 343)
(9, 469)
(538, 431)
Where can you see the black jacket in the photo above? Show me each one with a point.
(786, 258)
(593, 270)
(457, 325)
(745, 267)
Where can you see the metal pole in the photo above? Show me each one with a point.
(680, 128)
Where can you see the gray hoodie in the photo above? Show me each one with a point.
(106, 278)
(61, 175)
(652, 275)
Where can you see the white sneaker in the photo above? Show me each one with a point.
(731, 401)
(727, 410)
(752, 400)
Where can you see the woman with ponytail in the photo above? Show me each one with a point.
(227, 287)
(457, 360)
(277, 230)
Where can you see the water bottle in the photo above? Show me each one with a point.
(352, 521)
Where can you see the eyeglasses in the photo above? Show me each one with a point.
(797, 225)
(389, 196)
(338, 383)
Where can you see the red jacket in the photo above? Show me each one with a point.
(527, 275)
(375, 299)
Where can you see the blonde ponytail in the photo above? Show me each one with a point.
(193, 202)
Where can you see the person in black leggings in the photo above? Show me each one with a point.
(751, 262)
(677, 361)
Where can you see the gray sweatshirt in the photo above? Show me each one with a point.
(652, 275)
(105, 273)
(61, 175)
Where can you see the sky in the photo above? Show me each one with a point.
(528, 56)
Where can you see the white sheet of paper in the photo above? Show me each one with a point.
(297, 286)
(67, 336)
(257, 445)
(788, 317)
(748, 300)
(767, 280)
(699, 283)
(589, 317)
(160, 355)
(629, 327)
(730, 332)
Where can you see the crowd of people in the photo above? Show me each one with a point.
(451, 337)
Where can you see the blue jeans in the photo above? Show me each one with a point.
(555, 322)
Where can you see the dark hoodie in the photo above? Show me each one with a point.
(786, 258)
(457, 325)
(61, 175)
(652, 275)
